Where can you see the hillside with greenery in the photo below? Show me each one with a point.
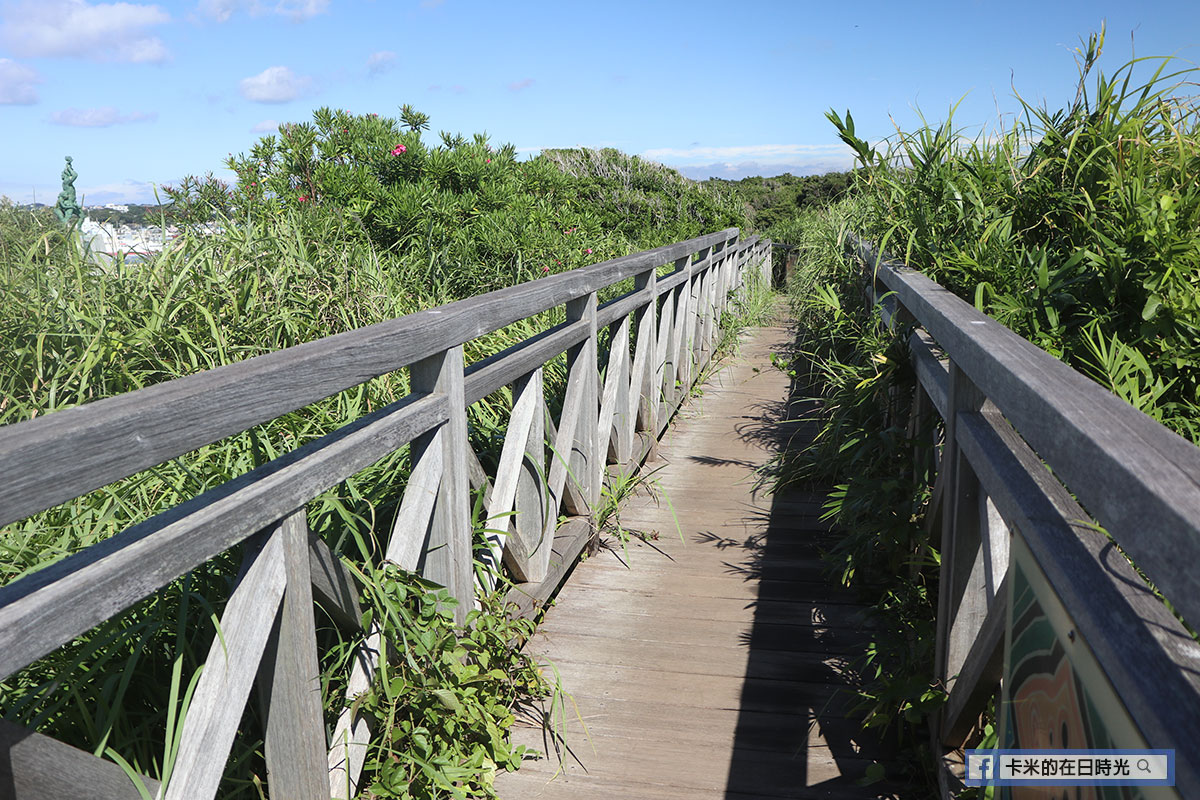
(771, 202)
(1079, 228)
(330, 225)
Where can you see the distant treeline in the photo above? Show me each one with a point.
(136, 215)
(779, 199)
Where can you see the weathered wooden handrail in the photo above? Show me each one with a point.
(662, 334)
(1028, 445)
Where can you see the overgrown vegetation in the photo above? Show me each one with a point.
(1077, 228)
(331, 226)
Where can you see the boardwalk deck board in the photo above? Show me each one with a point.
(710, 661)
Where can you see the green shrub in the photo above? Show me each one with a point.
(1077, 228)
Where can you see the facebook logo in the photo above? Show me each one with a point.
(981, 768)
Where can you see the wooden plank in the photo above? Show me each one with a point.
(613, 310)
(62, 455)
(674, 278)
(978, 679)
(535, 519)
(1134, 476)
(501, 369)
(522, 556)
(933, 371)
(664, 350)
(721, 253)
(620, 443)
(37, 767)
(334, 587)
(54, 605)
(680, 345)
(644, 389)
(478, 477)
(352, 733)
(290, 680)
(644, 445)
(448, 555)
(1147, 656)
(687, 322)
(224, 685)
(527, 599)
(616, 390)
(410, 529)
(582, 457)
(958, 547)
(561, 492)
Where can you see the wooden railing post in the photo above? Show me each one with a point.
(974, 556)
(585, 460)
(290, 680)
(448, 557)
(518, 486)
(687, 323)
(229, 671)
(644, 388)
(670, 329)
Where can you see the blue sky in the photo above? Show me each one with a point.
(143, 93)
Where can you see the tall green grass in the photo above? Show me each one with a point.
(1079, 228)
(281, 273)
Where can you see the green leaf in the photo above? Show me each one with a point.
(1150, 310)
(447, 698)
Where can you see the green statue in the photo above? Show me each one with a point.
(67, 208)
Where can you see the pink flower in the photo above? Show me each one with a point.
(489, 161)
(398, 149)
(589, 250)
(545, 269)
(303, 198)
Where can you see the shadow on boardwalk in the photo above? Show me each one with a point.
(811, 730)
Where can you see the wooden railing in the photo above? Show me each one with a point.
(662, 333)
(1037, 463)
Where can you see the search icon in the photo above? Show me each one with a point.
(1143, 765)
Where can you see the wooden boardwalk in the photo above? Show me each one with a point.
(710, 664)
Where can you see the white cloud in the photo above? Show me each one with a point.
(301, 9)
(126, 191)
(220, 10)
(517, 86)
(296, 10)
(101, 32)
(817, 165)
(275, 85)
(98, 117)
(266, 126)
(17, 84)
(381, 62)
(749, 151)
